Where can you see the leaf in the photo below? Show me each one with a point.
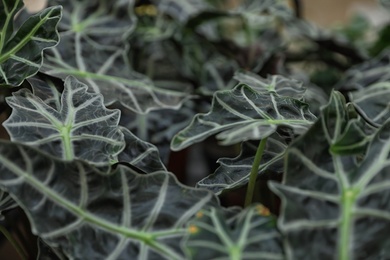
(386, 4)
(95, 51)
(366, 74)
(158, 127)
(140, 154)
(244, 114)
(80, 128)
(251, 234)
(21, 51)
(6, 203)
(122, 215)
(276, 83)
(334, 206)
(234, 173)
(373, 102)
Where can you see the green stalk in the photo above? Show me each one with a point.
(13, 242)
(253, 174)
(348, 200)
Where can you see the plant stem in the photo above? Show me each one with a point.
(253, 174)
(13, 242)
(348, 201)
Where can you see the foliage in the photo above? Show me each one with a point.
(98, 95)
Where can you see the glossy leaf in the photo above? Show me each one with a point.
(245, 114)
(234, 172)
(373, 102)
(123, 215)
(21, 50)
(251, 234)
(336, 205)
(94, 49)
(74, 125)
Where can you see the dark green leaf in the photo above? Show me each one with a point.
(251, 234)
(122, 215)
(74, 125)
(21, 51)
(245, 114)
(234, 173)
(336, 205)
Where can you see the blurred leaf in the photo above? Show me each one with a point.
(373, 102)
(366, 73)
(21, 50)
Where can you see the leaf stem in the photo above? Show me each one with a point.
(19, 249)
(348, 201)
(253, 174)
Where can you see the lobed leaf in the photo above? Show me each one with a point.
(21, 50)
(94, 49)
(251, 234)
(234, 173)
(335, 205)
(74, 125)
(123, 215)
(244, 114)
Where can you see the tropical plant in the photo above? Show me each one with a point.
(99, 96)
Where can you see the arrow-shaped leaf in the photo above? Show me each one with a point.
(251, 234)
(74, 125)
(21, 51)
(336, 205)
(245, 114)
(122, 215)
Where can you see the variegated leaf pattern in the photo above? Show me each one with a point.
(234, 172)
(335, 205)
(244, 114)
(276, 83)
(373, 102)
(122, 215)
(140, 154)
(367, 73)
(251, 234)
(6, 202)
(21, 50)
(95, 51)
(80, 128)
